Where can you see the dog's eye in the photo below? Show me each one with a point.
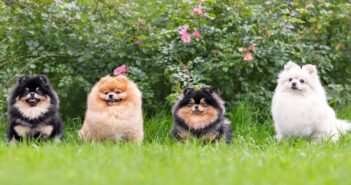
(191, 104)
(118, 92)
(105, 92)
(290, 79)
(302, 81)
(204, 104)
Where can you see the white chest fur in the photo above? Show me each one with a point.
(32, 112)
(296, 115)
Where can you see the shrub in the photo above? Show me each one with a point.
(77, 43)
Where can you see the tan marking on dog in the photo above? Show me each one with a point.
(22, 130)
(184, 135)
(198, 120)
(33, 112)
(46, 129)
(211, 136)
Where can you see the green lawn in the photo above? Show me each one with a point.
(253, 158)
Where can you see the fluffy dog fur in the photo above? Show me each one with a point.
(200, 114)
(300, 106)
(33, 110)
(114, 111)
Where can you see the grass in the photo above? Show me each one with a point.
(253, 158)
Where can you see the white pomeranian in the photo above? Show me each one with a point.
(300, 107)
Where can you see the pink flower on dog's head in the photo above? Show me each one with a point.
(186, 38)
(197, 11)
(197, 34)
(248, 57)
(120, 70)
(252, 47)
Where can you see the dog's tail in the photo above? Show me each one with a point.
(343, 126)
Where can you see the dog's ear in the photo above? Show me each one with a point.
(290, 65)
(207, 89)
(22, 79)
(44, 79)
(311, 69)
(188, 90)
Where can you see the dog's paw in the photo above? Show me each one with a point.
(279, 137)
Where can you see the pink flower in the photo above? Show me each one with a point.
(197, 11)
(252, 47)
(197, 34)
(183, 30)
(120, 70)
(186, 38)
(241, 50)
(248, 57)
(184, 35)
(201, 1)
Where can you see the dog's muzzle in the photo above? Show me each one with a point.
(32, 101)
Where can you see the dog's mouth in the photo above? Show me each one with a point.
(32, 101)
(197, 112)
(113, 100)
(295, 88)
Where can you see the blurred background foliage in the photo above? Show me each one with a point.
(77, 42)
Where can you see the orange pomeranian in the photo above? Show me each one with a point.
(113, 112)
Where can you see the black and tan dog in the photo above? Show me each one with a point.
(33, 110)
(200, 114)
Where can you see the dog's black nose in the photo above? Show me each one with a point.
(32, 94)
(293, 84)
(196, 107)
(110, 95)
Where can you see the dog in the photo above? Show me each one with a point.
(114, 112)
(300, 107)
(33, 110)
(199, 114)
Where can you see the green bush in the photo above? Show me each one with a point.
(77, 43)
